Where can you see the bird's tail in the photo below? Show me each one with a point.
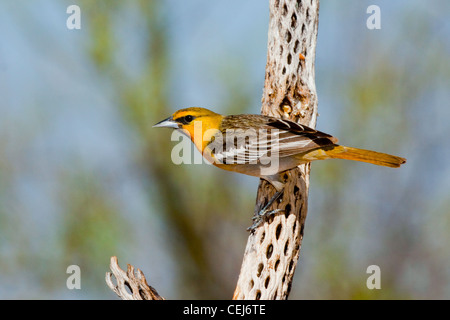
(378, 158)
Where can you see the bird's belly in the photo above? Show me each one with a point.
(260, 170)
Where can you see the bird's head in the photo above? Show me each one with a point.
(197, 123)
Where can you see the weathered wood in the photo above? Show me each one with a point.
(130, 284)
(273, 249)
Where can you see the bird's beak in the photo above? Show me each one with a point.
(167, 123)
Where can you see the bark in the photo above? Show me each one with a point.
(272, 251)
(130, 284)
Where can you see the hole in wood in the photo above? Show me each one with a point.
(288, 36)
(291, 264)
(296, 46)
(269, 251)
(260, 268)
(286, 102)
(293, 20)
(285, 9)
(263, 235)
(277, 263)
(266, 283)
(128, 288)
(252, 284)
(284, 70)
(286, 247)
(289, 58)
(287, 210)
(278, 231)
(258, 295)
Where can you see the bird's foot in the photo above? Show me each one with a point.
(265, 212)
(259, 217)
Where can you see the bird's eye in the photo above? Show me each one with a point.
(185, 120)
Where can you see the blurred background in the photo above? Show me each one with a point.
(83, 176)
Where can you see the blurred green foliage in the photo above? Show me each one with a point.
(190, 202)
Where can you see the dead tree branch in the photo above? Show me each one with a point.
(130, 281)
(273, 249)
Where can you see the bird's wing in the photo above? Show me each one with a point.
(253, 142)
(294, 138)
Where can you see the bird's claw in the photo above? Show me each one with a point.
(259, 217)
(264, 212)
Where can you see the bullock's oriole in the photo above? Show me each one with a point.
(264, 146)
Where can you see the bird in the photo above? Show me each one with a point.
(264, 146)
